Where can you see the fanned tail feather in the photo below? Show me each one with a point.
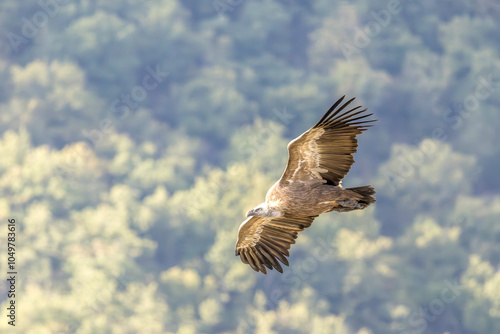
(367, 193)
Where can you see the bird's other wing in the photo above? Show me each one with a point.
(262, 241)
(324, 152)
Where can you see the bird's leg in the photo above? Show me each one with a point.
(350, 204)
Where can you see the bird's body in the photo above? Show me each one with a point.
(310, 185)
(316, 198)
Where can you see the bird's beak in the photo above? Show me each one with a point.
(250, 213)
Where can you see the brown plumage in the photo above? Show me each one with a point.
(318, 160)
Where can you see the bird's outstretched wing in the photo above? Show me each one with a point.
(262, 241)
(324, 152)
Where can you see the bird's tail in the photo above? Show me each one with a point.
(366, 193)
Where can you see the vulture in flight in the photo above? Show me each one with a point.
(318, 160)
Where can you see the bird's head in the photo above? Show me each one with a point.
(263, 210)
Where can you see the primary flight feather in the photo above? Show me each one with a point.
(318, 160)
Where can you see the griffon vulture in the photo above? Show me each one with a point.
(311, 184)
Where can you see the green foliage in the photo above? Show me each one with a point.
(135, 135)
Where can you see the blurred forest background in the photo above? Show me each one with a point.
(134, 135)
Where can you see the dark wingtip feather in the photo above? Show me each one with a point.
(353, 118)
(329, 111)
(332, 112)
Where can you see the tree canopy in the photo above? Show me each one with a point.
(135, 135)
